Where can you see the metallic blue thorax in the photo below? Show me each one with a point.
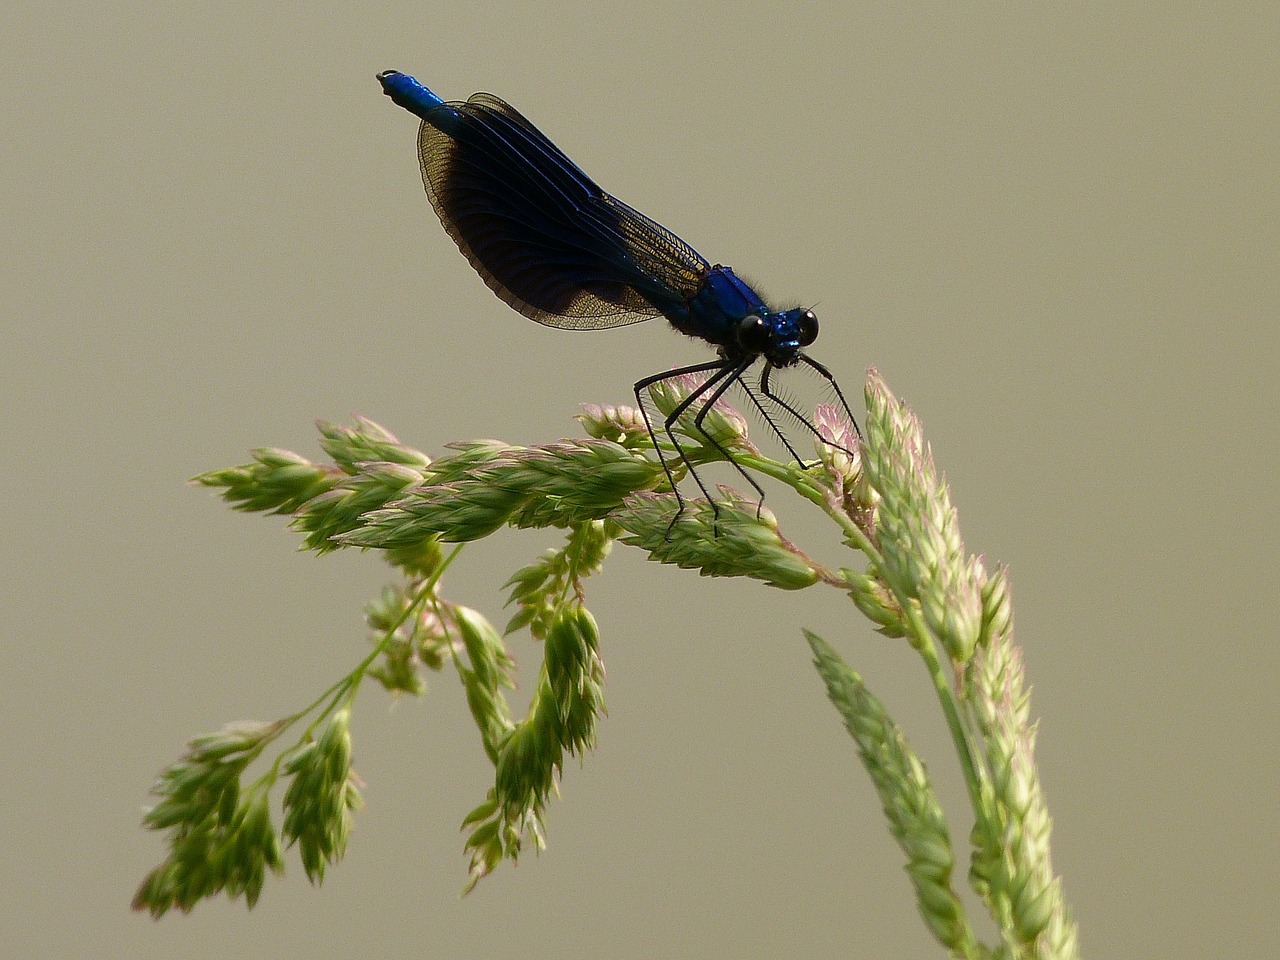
(720, 304)
(716, 312)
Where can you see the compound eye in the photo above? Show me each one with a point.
(753, 334)
(806, 328)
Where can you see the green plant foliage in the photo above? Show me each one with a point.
(916, 581)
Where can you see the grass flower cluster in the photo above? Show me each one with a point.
(916, 581)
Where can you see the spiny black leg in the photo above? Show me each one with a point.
(826, 374)
(674, 415)
(641, 387)
(734, 374)
(768, 417)
(804, 421)
(723, 376)
(808, 425)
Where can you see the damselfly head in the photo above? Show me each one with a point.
(778, 337)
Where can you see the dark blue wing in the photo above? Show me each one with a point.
(542, 234)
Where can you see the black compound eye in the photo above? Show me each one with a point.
(753, 334)
(806, 328)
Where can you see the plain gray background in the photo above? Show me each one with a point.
(1053, 229)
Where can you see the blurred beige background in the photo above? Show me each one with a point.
(1053, 230)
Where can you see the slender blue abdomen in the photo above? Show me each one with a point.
(407, 92)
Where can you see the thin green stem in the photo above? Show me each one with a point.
(346, 687)
(927, 645)
(924, 641)
(797, 480)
